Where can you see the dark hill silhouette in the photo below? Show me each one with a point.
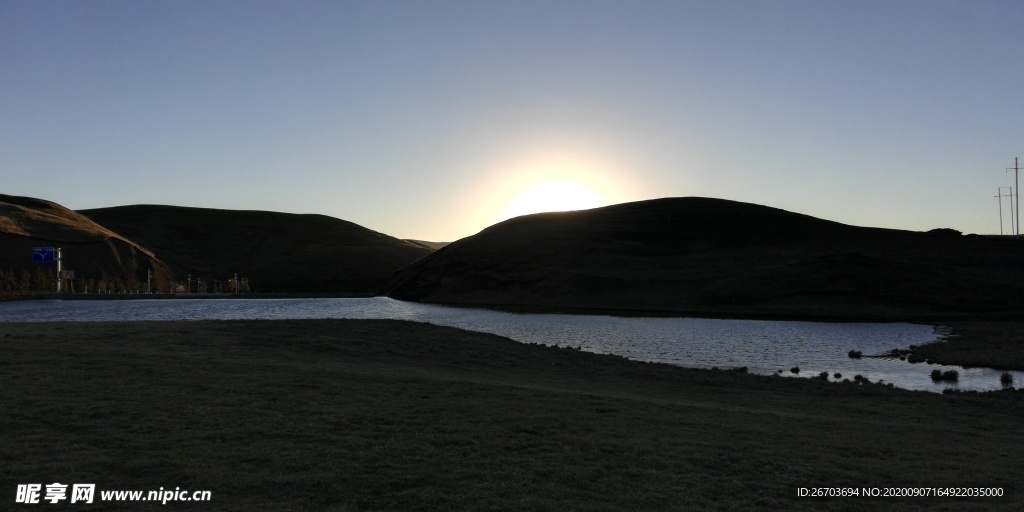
(715, 257)
(93, 251)
(433, 246)
(276, 252)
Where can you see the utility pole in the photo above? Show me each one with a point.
(1012, 211)
(58, 270)
(1000, 197)
(1016, 188)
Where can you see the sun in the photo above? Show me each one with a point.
(553, 196)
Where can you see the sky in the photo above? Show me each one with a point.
(434, 119)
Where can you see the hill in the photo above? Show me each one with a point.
(433, 246)
(712, 257)
(93, 251)
(275, 252)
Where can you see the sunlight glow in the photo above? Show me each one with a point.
(549, 177)
(553, 196)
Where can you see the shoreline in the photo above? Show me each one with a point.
(998, 345)
(172, 296)
(931, 319)
(971, 342)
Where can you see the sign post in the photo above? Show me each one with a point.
(48, 255)
(43, 254)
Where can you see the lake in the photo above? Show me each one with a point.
(762, 346)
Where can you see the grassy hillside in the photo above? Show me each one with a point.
(717, 257)
(276, 252)
(93, 251)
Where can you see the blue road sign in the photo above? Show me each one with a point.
(43, 254)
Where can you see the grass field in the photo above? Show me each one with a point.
(347, 415)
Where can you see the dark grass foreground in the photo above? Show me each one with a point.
(388, 415)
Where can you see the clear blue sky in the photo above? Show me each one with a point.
(425, 119)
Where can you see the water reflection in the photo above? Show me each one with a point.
(764, 347)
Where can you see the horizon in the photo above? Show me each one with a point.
(414, 239)
(432, 122)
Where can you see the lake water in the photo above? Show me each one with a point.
(764, 347)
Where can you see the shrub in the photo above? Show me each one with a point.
(1006, 379)
(949, 232)
(795, 369)
(950, 375)
(823, 375)
(838, 375)
(855, 354)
